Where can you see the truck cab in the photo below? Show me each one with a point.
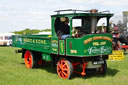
(81, 36)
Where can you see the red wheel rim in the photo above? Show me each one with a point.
(28, 59)
(63, 69)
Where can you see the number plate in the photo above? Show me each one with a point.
(98, 62)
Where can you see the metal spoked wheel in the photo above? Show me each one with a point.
(28, 59)
(64, 68)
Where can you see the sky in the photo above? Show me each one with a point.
(16, 15)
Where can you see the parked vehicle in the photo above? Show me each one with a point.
(72, 46)
(6, 39)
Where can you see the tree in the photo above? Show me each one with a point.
(28, 31)
(46, 30)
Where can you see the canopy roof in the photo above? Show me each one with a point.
(84, 13)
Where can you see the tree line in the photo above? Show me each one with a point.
(28, 31)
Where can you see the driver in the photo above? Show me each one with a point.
(65, 28)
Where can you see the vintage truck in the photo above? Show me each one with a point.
(85, 47)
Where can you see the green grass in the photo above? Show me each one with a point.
(14, 72)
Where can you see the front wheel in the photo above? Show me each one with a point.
(64, 68)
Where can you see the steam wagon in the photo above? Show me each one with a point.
(75, 44)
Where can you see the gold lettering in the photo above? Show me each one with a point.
(62, 49)
(44, 41)
(33, 41)
(38, 41)
(54, 49)
(54, 41)
(30, 40)
(95, 43)
(88, 40)
(107, 38)
(73, 51)
(103, 43)
(97, 37)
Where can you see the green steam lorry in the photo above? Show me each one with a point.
(85, 46)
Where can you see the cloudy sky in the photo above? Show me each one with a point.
(17, 15)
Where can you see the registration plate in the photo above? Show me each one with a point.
(98, 62)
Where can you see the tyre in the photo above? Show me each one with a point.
(29, 60)
(64, 68)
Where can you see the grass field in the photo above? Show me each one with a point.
(14, 72)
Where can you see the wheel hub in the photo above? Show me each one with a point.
(27, 59)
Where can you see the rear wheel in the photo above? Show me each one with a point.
(29, 59)
(64, 68)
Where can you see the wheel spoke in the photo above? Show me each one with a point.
(62, 75)
(64, 66)
(65, 73)
(28, 62)
(29, 57)
(58, 67)
(65, 69)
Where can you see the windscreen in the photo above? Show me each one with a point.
(89, 25)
